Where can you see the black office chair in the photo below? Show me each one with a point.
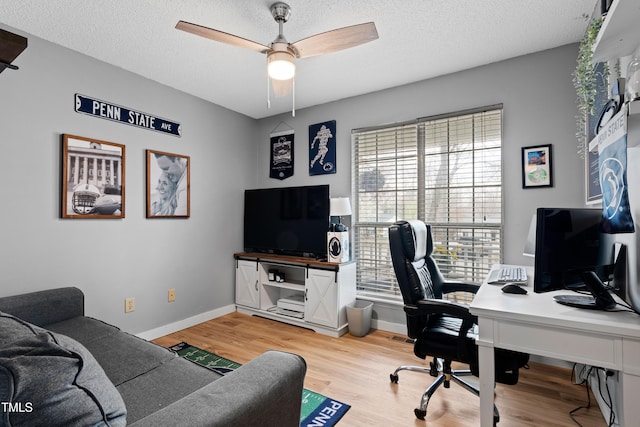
(440, 328)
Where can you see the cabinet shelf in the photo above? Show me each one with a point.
(619, 35)
(285, 285)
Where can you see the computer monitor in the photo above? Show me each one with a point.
(569, 242)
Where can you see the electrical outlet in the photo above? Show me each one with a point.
(172, 295)
(129, 305)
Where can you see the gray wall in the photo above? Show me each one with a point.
(131, 257)
(539, 108)
(136, 257)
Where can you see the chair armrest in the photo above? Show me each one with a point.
(448, 287)
(427, 307)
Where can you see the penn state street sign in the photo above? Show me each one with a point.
(118, 113)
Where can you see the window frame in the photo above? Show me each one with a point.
(376, 266)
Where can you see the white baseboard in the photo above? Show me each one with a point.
(186, 323)
(396, 328)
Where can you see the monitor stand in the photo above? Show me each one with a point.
(601, 299)
(579, 301)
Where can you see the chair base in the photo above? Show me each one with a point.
(444, 376)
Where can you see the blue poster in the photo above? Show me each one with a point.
(612, 147)
(322, 148)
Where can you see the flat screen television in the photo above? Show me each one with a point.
(288, 221)
(569, 242)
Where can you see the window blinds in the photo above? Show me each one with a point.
(446, 171)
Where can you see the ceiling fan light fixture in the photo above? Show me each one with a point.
(281, 54)
(280, 65)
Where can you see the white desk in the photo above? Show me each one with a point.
(536, 324)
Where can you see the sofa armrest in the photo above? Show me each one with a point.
(267, 391)
(45, 307)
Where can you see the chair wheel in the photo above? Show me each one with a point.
(394, 378)
(420, 413)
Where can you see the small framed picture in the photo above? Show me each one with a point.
(93, 173)
(168, 185)
(536, 167)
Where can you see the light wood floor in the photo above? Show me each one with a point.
(356, 371)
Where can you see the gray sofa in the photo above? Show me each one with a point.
(59, 367)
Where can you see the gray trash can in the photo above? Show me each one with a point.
(359, 317)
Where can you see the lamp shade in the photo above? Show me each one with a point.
(340, 206)
(280, 65)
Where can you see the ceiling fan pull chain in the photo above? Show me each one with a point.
(268, 91)
(293, 97)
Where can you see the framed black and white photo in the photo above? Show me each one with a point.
(536, 167)
(168, 185)
(93, 178)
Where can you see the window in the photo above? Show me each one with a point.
(445, 170)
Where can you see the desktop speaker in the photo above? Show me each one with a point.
(338, 246)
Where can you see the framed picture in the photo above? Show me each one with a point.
(536, 167)
(168, 185)
(93, 178)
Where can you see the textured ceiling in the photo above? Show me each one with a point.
(419, 39)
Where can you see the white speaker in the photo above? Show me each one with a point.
(338, 246)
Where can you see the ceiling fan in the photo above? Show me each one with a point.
(280, 53)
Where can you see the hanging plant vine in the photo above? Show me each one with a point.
(585, 83)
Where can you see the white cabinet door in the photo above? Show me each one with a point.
(247, 284)
(321, 298)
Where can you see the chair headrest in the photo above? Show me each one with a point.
(417, 242)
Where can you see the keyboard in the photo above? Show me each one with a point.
(507, 275)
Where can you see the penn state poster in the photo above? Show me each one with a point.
(612, 149)
(281, 155)
(322, 148)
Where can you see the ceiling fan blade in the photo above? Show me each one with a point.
(221, 36)
(335, 40)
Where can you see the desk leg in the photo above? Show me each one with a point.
(630, 409)
(486, 360)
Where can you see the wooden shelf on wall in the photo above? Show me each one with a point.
(11, 45)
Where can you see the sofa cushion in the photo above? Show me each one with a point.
(51, 379)
(122, 356)
(170, 382)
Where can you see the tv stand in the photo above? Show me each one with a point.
(305, 292)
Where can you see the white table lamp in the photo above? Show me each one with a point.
(340, 206)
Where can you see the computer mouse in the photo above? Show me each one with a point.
(512, 288)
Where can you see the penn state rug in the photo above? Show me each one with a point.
(317, 409)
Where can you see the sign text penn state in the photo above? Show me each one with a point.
(117, 113)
